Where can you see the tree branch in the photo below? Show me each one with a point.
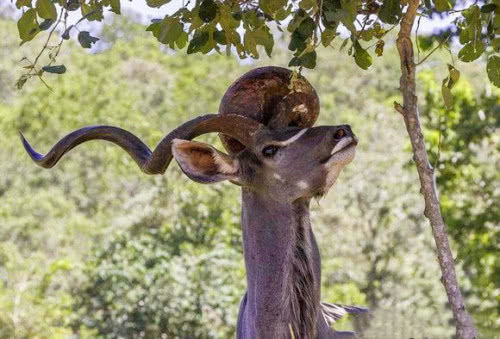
(464, 325)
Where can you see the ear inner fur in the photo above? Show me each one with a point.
(198, 159)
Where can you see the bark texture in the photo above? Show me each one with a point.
(464, 324)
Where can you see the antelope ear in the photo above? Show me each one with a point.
(203, 163)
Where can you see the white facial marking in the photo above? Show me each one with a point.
(341, 156)
(333, 174)
(341, 145)
(293, 139)
(278, 177)
(302, 184)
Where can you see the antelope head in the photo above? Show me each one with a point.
(285, 164)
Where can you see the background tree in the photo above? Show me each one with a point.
(212, 25)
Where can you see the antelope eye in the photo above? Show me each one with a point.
(270, 150)
(339, 134)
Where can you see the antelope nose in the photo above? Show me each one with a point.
(342, 132)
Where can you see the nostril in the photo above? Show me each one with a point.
(340, 134)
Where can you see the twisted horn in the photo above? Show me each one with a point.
(267, 95)
(238, 127)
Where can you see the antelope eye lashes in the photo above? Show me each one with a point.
(269, 151)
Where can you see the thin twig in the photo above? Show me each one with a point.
(84, 17)
(431, 52)
(399, 108)
(48, 39)
(390, 29)
(58, 48)
(362, 27)
(416, 38)
(44, 82)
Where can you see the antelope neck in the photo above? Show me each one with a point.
(283, 267)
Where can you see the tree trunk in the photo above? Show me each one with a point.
(464, 325)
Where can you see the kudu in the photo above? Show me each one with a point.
(280, 162)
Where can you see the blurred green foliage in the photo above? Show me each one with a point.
(465, 143)
(97, 248)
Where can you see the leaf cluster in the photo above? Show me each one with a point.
(240, 27)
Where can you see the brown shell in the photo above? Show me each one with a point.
(266, 95)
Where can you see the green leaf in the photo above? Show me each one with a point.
(306, 27)
(296, 20)
(59, 69)
(182, 40)
(493, 70)
(379, 49)
(72, 5)
(220, 37)
(378, 31)
(208, 10)
(454, 76)
(447, 84)
(327, 37)
(390, 12)
(45, 25)
(344, 16)
(156, 3)
(167, 31)
(362, 58)
(227, 19)
(344, 43)
(115, 6)
(472, 15)
(425, 42)
(347, 15)
(496, 21)
(264, 38)
(21, 81)
(464, 35)
(28, 26)
(270, 7)
(367, 34)
(329, 18)
(92, 12)
(488, 8)
(307, 60)
(297, 42)
(86, 40)
(443, 5)
(46, 9)
(495, 43)
(307, 4)
(471, 51)
(198, 41)
(446, 93)
(23, 3)
(250, 44)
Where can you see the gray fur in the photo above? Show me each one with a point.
(281, 255)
